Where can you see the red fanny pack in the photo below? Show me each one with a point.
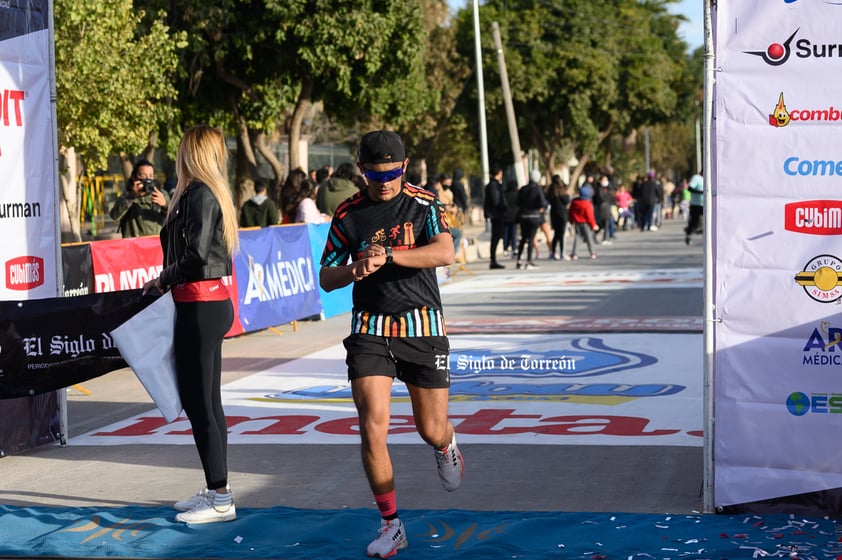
(202, 290)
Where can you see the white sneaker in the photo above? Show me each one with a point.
(197, 498)
(205, 512)
(451, 468)
(390, 539)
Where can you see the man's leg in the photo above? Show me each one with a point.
(429, 410)
(496, 236)
(372, 398)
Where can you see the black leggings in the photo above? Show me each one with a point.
(497, 227)
(199, 330)
(528, 229)
(559, 229)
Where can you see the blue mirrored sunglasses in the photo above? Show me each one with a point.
(383, 176)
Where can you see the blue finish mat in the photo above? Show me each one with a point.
(290, 534)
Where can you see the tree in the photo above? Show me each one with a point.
(112, 87)
(361, 58)
(580, 72)
(257, 66)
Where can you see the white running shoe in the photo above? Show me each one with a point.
(205, 512)
(197, 498)
(390, 539)
(185, 505)
(450, 466)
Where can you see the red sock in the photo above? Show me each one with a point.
(387, 504)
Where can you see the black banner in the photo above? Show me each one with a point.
(47, 344)
(77, 270)
(28, 423)
(20, 17)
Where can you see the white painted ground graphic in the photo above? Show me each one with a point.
(552, 389)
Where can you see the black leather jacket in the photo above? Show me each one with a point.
(191, 239)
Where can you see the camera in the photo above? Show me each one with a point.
(148, 185)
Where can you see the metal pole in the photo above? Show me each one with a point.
(520, 172)
(646, 144)
(698, 145)
(483, 136)
(61, 393)
(708, 502)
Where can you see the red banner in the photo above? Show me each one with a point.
(127, 264)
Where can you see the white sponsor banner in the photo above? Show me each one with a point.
(579, 281)
(28, 244)
(778, 261)
(617, 389)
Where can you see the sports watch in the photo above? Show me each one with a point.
(388, 255)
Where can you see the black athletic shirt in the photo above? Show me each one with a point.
(395, 301)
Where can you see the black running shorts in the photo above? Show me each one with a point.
(416, 360)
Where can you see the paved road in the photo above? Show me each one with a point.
(541, 477)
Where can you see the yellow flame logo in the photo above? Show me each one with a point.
(780, 116)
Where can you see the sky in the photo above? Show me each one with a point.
(693, 30)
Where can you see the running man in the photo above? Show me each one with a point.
(388, 240)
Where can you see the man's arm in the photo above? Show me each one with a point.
(121, 206)
(335, 277)
(438, 252)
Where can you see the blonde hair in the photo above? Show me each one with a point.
(202, 156)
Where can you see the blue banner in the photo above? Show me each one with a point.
(338, 301)
(276, 277)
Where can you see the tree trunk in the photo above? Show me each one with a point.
(71, 203)
(148, 153)
(294, 132)
(246, 162)
(574, 177)
(262, 146)
(127, 164)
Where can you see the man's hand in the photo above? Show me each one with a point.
(367, 265)
(137, 190)
(158, 198)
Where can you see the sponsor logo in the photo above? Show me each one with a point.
(128, 279)
(777, 54)
(276, 280)
(493, 422)
(800, 404)
(11, 112)
(822, 347)
(820, 278)
(795, 166)
(781, 117)
(24, 273)
(814, 217)
(536, 374)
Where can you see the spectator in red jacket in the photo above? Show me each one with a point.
(581, 216)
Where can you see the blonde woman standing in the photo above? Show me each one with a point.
(198, 239)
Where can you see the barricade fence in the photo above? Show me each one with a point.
(274, 282)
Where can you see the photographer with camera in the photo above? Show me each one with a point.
(141, 209)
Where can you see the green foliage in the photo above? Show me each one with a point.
(113, 77)
(363, 56)
(580, 71)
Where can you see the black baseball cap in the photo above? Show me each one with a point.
(381, 146)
